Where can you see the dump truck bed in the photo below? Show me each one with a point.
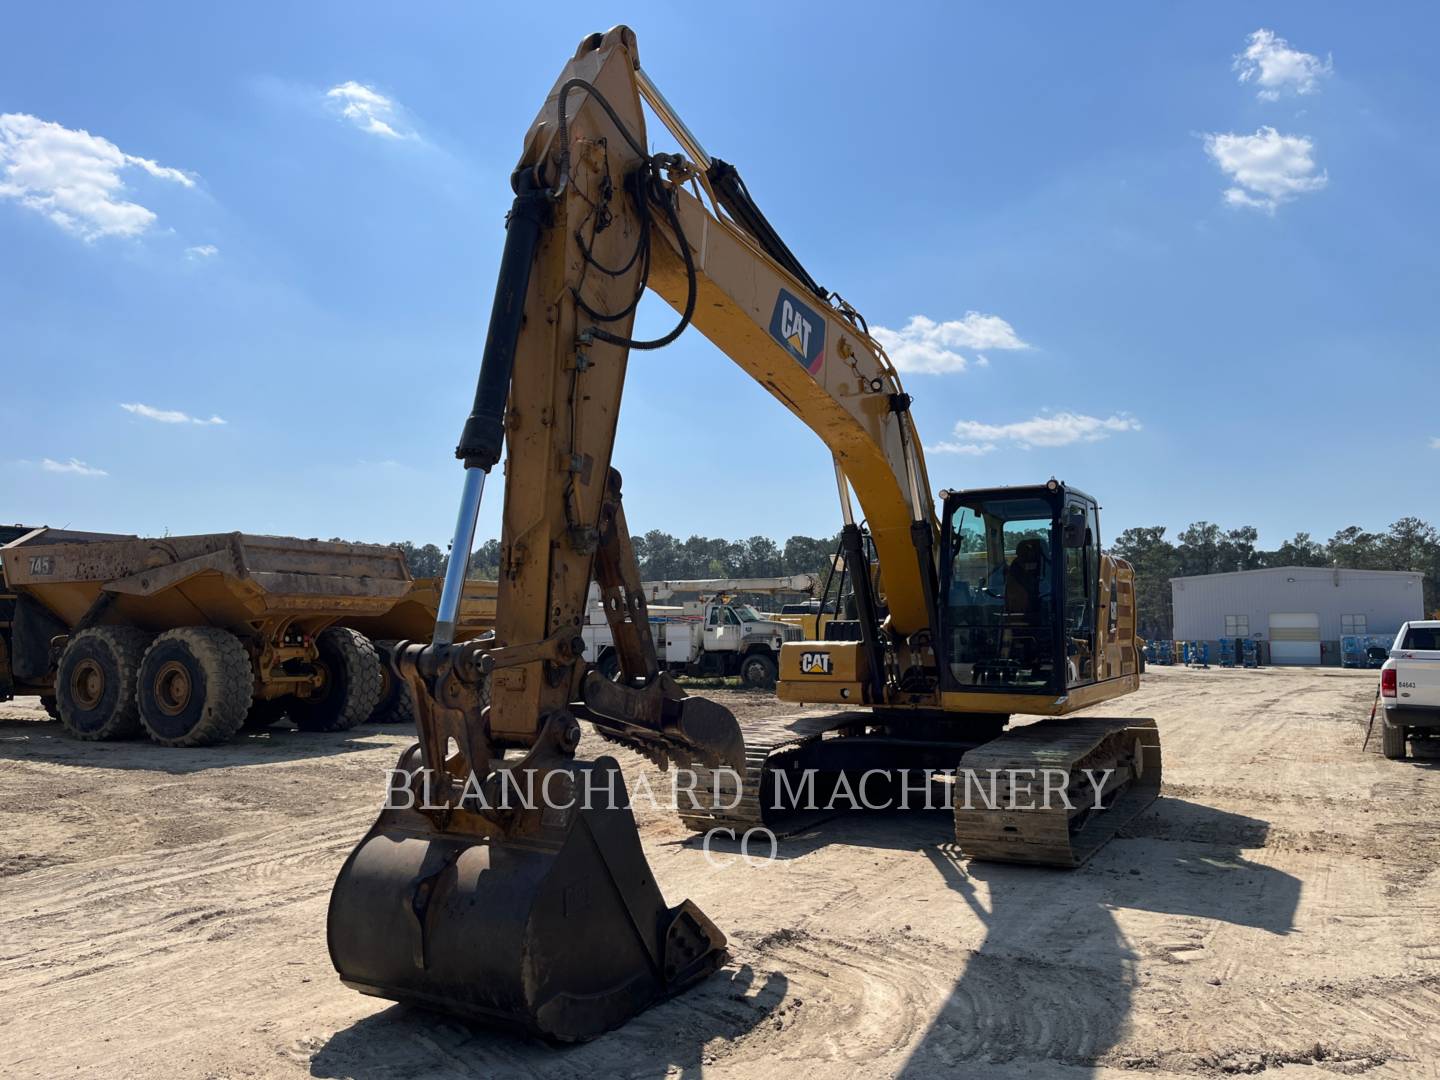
(413, 618)
(231, 580)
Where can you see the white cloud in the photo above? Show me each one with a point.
(73, 177)
(167, 416)
(1435, 443)
(202, 251)
(929, 348)
(973, 449)
(1051, 429)
(1272, 65)
(74, 465)
(1267, 168)
(369, 110)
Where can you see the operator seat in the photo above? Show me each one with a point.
(1025, 579)
(1023, 638)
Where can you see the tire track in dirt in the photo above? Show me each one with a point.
(1343, 1027)
(118, 916)
(269, 851)
(892, 997)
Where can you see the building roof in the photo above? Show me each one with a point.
(1345, 570)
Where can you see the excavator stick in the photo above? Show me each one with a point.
(505, 881)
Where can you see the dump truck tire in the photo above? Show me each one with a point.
(195, 686)
(265, 713)
(1392, 740)
(396, 704)
(51, 707)
(352, 684)
(96, 680)
(397, 701)
(758, 672)
(400, 708)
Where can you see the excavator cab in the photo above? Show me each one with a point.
(1020, 586)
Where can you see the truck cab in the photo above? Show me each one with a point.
(1410, 687)
(739, 628)
(709, 638)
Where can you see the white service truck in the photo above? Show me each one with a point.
(712, 637)
(1410, 687)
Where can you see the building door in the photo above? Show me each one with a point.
(1295, 639)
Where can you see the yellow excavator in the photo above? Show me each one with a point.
(495, 885)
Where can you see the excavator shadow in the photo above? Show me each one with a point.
(668, 1040)
(23, 739)
(1052, 987)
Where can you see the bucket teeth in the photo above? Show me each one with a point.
(699, 734)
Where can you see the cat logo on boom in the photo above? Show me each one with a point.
(800, 329)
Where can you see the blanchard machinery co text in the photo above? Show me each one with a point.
(720, 789)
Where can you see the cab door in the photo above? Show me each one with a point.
(1080, 539)
(722, 630)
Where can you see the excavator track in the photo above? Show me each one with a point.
(1055, 831)
(767, 743)
(997, 825)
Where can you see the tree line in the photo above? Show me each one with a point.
(663, 557)
(1206, 548)
(1202, 548)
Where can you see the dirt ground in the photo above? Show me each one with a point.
(1278, 909)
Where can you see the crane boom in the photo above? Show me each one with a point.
(788, 583)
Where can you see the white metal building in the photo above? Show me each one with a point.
(1300, 612)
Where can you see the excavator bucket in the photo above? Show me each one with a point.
(561, 930)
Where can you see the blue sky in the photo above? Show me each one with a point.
(1222, 272)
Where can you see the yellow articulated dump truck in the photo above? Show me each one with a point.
(191, 638)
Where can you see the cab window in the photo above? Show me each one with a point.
(1422, 638)
(1000, 610)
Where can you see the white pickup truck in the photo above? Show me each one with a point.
(1410, 687)
(708, 638)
